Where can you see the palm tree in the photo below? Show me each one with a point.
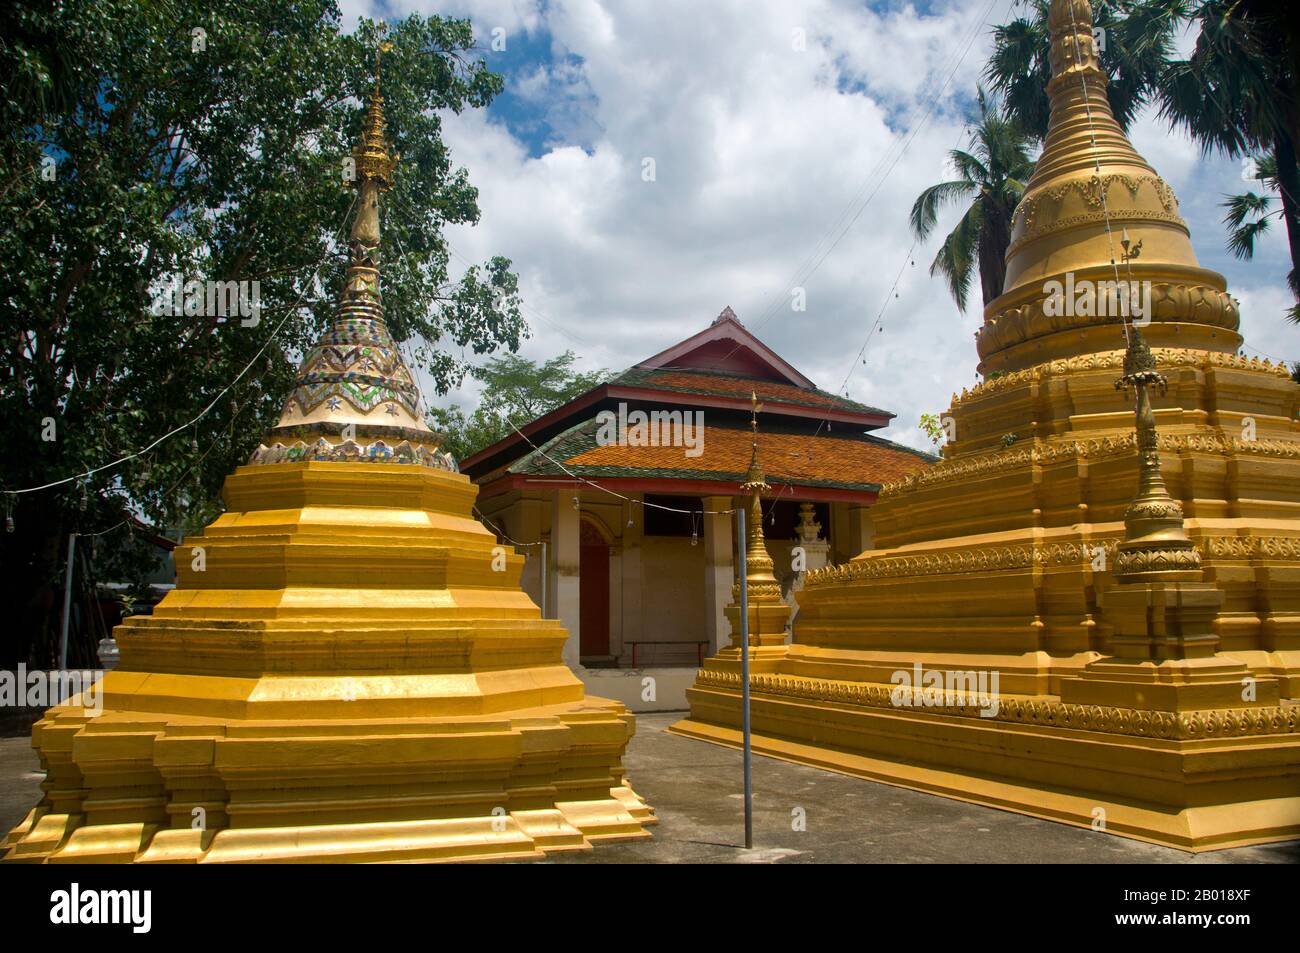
(1134, 48)
(1238, 94)
(993, 172)
(1250, 214)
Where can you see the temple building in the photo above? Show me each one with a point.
(637, 583)
(1089, 610)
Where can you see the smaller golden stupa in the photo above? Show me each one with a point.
(768, 614)
(347, 669)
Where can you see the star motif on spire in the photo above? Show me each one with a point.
(391, 410)
(333, 403)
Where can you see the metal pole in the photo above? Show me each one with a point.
(545, 580)
(744, 683)
(67, 602)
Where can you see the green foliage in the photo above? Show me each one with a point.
(1237, 95)
(1249, 214)
(1139, 39)
(213, 160)
(516, 390)
(930, 424)
(992, 174)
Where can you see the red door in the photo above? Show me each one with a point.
(593, 606)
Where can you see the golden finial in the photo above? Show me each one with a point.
(373, 168)
(1155, 545)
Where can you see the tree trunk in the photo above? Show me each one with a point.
(32, 573)
(1288, 180)
(995, 238)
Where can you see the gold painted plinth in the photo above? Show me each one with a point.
(766, 623)
(1195, 781)
(347, 671)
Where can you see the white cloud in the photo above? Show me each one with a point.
(762, 153)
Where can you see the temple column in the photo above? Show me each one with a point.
(630, 569)
(565, 563)
(719, 570)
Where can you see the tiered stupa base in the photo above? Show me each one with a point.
(353, 675)
(1200, 780)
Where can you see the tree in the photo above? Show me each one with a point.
(1250, 214)
(515, 391)
(1134, 41)
(204, 139)
(994, 173)
(1238, 94)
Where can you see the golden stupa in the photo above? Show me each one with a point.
(347, 669)
(1029, 633)
(767, 611)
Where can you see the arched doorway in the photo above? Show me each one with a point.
(593, 600)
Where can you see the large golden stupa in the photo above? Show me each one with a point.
(1117, 607)
(347, 669)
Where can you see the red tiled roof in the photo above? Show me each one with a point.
(788, 458)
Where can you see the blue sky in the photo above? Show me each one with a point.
(775, 166)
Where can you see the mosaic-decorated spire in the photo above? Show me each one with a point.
(354, 397)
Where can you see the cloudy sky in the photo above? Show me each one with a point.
(775, 166)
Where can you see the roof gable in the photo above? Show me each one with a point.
(727, 345)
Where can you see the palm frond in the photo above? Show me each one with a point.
(956, 258)
(1241, 240)
(968, 166)
(925, 210)
(1241, 207)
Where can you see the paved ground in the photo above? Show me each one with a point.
(695, 790)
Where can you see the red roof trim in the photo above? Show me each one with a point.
(740, 403)
(669, 486)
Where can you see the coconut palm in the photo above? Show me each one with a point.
(992, 173)
(1134, 45)
(1251, 214)
(1238, 94)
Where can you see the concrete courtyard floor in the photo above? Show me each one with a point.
(695, 789)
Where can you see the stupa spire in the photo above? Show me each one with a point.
(354, 397)
(1065, 271)
(767, 612)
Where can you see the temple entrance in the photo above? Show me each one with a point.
(593, 605)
